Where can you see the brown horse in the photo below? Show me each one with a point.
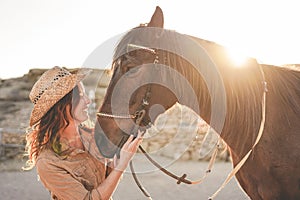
(154, 66)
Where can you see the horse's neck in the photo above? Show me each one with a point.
(244, 89)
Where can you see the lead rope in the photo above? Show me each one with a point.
(181, 179)
(261, 129)
(139, 117)
(145, 192)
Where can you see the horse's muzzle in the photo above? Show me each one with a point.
(105, 146)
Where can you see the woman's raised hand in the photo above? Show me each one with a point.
(128, 150)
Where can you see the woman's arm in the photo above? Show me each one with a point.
(108, 186)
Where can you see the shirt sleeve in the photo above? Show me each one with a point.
(62, 184)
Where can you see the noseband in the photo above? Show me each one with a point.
(139, 113)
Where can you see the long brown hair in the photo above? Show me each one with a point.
(45, 134)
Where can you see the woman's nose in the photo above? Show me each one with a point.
(87, 100)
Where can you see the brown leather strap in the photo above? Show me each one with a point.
(145, 192)
(179, 179)
(244, 159)
(183, 179)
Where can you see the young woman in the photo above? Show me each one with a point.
(62, 149)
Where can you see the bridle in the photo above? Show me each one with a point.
(139, 115)
(145, 101)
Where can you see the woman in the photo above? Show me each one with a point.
(62, 149)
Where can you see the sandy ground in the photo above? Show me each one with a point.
(16, 184)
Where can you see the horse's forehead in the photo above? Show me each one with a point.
(136, 39)
(142, 35)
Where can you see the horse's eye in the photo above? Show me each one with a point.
(144, 54)
(132, 71)
(131, 60)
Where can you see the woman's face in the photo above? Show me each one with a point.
(80, 111)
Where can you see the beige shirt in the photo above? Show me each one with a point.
(75, 176)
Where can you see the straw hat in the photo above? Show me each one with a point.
(53, 85)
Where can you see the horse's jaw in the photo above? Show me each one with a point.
(105, 146)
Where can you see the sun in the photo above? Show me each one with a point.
(237, 57)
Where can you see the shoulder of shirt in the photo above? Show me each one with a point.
(47, 154)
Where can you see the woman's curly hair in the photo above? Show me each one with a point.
(45, 134)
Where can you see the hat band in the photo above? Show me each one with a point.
(60, 74)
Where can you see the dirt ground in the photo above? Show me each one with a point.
(17, 184)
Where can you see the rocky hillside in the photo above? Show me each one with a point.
(15, 105)
(14, 102)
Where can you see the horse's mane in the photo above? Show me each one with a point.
(284, 82)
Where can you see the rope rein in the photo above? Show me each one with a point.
(115, 116)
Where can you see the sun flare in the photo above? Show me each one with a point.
(237, 57)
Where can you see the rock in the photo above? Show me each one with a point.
(7, 107)
(14, 93)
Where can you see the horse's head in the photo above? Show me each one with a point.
(133, 97)
(153, 68)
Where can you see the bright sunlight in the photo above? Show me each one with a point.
(238, 58)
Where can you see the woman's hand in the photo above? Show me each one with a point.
(127, 152)
(108, 186)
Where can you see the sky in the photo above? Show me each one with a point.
(46, 33)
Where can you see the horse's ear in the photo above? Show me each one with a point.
(157, 19)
